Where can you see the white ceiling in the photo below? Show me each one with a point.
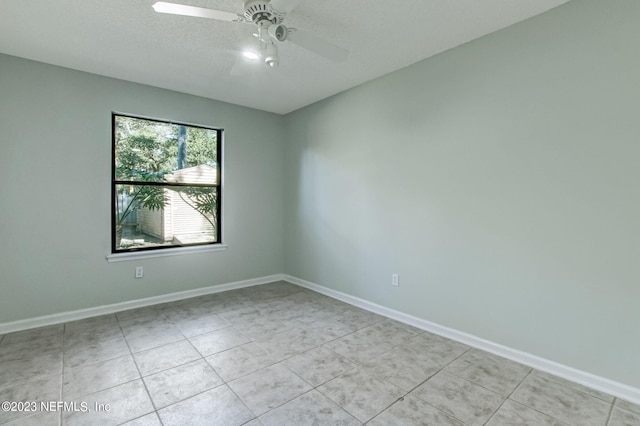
(126, 39)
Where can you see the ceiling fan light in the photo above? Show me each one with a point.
(251, 55)
(252, 49)
(271, 55)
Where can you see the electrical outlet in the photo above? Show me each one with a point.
(395, 280)
(139, 272)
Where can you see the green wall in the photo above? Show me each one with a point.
(500, 179)
(55, 171)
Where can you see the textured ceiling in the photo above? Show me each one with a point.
(126, 39)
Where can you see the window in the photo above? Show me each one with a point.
(166, 188)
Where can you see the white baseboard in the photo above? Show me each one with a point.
(9, 327)
(602, 384)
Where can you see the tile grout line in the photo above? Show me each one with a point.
(241, 400)
(239, 397)
(169, 368)
(401, 398)
(139, 417)
(426, 380)
(105, 360)
(533, 370)
(357, 364)
(576, 387)
(315, 388)
(282, 361)
(509, 396)
(64, 354)
(613, 403)
(224, 382)
(64, 333)
(197, 351)
(270, 365)
(202, 357)
(155, 409)
(62, 396)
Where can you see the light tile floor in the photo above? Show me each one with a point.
(277, 354)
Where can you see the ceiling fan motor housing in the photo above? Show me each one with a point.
(259, 11)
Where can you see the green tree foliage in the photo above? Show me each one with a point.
(149, 149)
(203, 200)
(202, 147)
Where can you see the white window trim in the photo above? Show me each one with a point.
(174, 251)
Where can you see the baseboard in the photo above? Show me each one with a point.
(9, 327)
(602, 384)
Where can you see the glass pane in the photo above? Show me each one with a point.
(154, 216)
(154, 151)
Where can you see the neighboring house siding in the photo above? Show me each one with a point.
(167, 225)
(150, 222)
(185, 220)
(178, 220)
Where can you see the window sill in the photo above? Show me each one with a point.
(177, 251)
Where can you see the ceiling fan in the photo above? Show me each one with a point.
(268, 16)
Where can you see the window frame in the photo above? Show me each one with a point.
(162, 250)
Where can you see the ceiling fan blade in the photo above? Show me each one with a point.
(198, 12)
(284, 6)
(317, 45)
